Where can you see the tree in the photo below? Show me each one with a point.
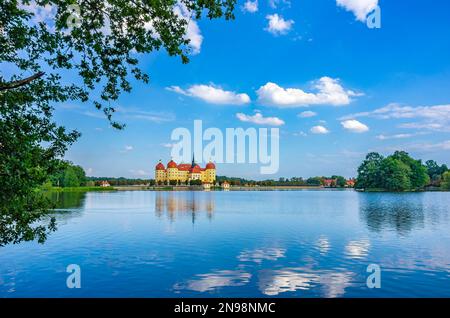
(340, 181)
(81, 175)
(445, 184)
(435, 171)
(395, 175)
(419, 176)
(397, 172)
(70, 178)
(369, 172)
(25, 164)
(315, 181)
(68, 175)
(99, 51)
(196, 182)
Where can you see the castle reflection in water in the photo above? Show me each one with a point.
(184, 204)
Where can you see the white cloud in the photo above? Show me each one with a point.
(321, 130)
(195, 37)
(398, 136)
(360, 8)
(251, 6)
(40, 13)
(168, 145)
(277, 25)
(127, 148)
(274, 3)
(259, 119)
(307, 114)
(329, 91)
(354, 126)
(444, 145)
(212, 94)
(435, 118)
(152, 116)
(193, 32)
(300, 134)
(429, 126)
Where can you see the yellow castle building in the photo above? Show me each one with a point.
(184, 172)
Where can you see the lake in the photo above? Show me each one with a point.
(238, 244)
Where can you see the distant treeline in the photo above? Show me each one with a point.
(333, 181)
(70, 175)
(400, 172)
(397, 172)
(121, 181)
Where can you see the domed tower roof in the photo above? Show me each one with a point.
(210, 165)
(171, 164)
(160, 166)
(195, 169)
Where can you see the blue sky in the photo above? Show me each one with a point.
(368, 89)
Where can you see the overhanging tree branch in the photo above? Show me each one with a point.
(16, 84)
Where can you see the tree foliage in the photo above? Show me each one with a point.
(50, 62)
(397, 172)
(435, 171)
(68, 175)
(445, 184)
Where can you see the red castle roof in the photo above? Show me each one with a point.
(171, 164)
(160, 166)
(196, 169)
(184, 167)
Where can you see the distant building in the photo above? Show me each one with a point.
(104, 183)
(350, 183)
(225, 185)
(328, 183)
(184, 173)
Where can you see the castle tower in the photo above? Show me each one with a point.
(160, 173)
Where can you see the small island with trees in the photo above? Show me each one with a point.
(400, 172)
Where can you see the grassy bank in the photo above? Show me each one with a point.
(433, 189)
(81, 189)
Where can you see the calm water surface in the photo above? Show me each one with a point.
(238, 244)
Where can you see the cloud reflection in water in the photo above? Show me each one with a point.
(211, 281)
(258, 255)
(357, 249)
(332, 284)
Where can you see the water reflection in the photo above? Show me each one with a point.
(258, 255)
(399, 212)
(212, 281)
(323, 245)
(332, 284)
(174, 204)
(67, 200)
(357, 249)
(275, 281)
